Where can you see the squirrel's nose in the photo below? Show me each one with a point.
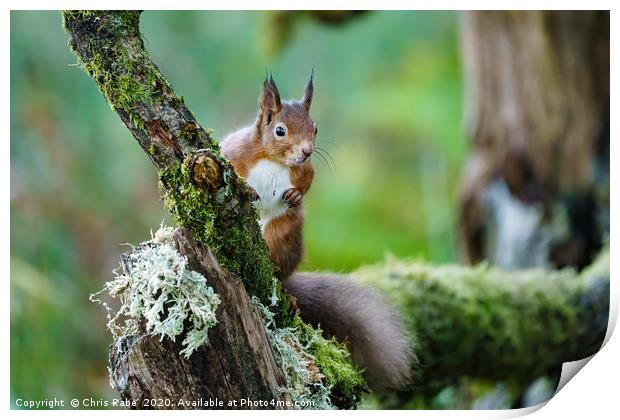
(307, 151)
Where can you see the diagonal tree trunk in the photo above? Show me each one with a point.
(202, 190)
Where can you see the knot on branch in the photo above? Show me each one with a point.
(205, 171)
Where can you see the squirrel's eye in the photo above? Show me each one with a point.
(316, 130)
(280, 131)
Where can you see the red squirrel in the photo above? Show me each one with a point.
(273, 155)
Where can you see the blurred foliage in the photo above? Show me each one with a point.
(388, 105)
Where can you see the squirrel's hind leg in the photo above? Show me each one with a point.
(284, 239)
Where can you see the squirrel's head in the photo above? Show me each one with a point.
(286, 129)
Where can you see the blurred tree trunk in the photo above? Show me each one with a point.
(535, 191)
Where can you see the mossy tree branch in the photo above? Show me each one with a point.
(201, 188)
(493, 325)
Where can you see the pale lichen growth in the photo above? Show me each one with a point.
(163, 293)
(303, 378)
(274, 291)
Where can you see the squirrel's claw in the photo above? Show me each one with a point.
(293, 197)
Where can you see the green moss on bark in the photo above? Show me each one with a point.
(319, 372)
(344, 380)
(110, 48)
(214, 220)
(112, 60)
(484, 323)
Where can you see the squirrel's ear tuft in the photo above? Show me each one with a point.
(269, 100)
(307, 99)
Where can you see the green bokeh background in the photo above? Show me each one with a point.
(388, 104)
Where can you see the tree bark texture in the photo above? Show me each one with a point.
(536, 184)
(235, 363)
(201, 188)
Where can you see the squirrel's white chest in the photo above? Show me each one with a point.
(270, 180)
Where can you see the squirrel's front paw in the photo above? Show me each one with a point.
(293, 197)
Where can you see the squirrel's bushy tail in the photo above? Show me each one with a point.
(359, 316)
